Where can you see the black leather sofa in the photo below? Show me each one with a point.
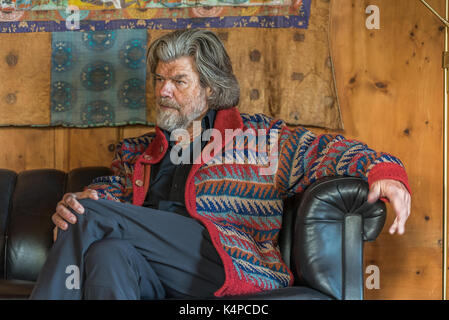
(321, 240)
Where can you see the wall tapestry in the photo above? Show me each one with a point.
(78, 63)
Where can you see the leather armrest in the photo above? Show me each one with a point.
(333, 220)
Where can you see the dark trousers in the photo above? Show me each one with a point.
(122, 251)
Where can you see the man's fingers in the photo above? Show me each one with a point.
(93, 194)
(374, 193)
(55, 233)
(59, 222)
(65, 213)
(401, 205)
(70, 199)
(393, 227)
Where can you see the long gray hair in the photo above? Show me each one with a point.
(211, 60)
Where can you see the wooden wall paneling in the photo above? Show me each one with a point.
(135, 131)
(61, 153)
(91, 146)
(26, 148)
(390, 85)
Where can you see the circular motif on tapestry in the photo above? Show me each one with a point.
(97, 76)
(63, 96)
(132, 94)
(62, 56)
(99, 40)
(133, 54)
(97, 112)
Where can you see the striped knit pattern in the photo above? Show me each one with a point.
(241, 208)
(119, 187)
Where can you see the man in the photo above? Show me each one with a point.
(208, 226)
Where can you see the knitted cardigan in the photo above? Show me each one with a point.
(241, 208)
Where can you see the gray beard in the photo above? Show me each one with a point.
(171, 120)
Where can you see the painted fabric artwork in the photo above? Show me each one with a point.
(123, 4)
(98, 78)
(80, 63)
(17, 16)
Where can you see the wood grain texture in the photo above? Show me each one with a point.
(25, 78)
(26, 148)
(91, 147)
(390, 84)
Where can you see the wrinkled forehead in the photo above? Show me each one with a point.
(174, 68)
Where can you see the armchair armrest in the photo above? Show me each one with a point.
(332, 222)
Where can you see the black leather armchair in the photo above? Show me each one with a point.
(321, 239)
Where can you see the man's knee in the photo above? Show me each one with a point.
(107, 252)
(93, 210)
(88, 203)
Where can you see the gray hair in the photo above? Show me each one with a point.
(211, 60)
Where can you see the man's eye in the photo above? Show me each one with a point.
(180, 82)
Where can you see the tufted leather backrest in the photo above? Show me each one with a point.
(29, 227)
(7, 185)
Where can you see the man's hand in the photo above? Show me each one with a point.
(399, 198)
(64, 215)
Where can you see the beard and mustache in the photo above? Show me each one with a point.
(178, 116)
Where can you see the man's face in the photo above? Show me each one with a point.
(180, 99)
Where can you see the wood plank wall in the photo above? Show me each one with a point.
(390, 85)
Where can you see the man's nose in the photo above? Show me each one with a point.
(166, 89)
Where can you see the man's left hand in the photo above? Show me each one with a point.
(399, 198)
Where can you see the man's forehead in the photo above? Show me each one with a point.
(180, 66)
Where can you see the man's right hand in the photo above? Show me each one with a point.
(63, 213)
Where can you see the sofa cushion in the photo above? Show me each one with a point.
(30, 228)
(7, 184)
(15, 289)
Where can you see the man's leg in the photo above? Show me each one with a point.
(177, 248)
(114, 270)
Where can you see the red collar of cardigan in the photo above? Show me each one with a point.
(224, 119)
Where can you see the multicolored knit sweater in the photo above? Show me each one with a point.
(241, 208)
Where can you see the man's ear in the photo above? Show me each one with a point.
(208, 92)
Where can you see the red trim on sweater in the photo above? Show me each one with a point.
(224, 119)
(230, 274)
(388, 171)
(137, 191)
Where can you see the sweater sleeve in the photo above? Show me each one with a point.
(113, 187)
(305, 157)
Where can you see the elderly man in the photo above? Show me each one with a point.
(207, 225)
